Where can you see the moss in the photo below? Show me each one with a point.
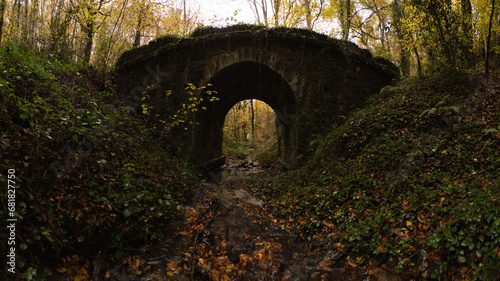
(211, 30)
(208, 36)
(153, 47)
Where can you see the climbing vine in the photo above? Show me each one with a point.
(184, 115)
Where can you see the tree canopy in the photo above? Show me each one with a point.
(420, 35)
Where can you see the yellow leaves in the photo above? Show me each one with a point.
(190, 86)
(174, 268)
(244, 259)
(441, 201)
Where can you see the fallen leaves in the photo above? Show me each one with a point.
(72, 267)
(328, 223)
(135, 263)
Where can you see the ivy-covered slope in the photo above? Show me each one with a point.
(411, 182)
(90, 179)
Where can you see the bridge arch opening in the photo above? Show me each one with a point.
(235, 83)
(251, 132)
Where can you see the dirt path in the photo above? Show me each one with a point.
(228, 234)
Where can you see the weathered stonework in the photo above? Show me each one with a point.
(310, 81)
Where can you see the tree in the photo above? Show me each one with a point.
(143, 7)
(343, 12)
(345, 17)
(492, 14)
(397, 19)
(3, 5)
(276, 11)
(468, 40)
(59, 22)
(259, 7)
(307, 6)
(87, 11)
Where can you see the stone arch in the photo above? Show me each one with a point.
(280, 63)
(238, 82)
(311, 81)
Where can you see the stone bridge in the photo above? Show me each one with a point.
(311, 81)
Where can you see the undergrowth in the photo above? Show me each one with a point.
(90, 179)
(410, 182)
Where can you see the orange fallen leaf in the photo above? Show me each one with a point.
(172, 266)
(352, 263)
(326, 263)
(328, 223)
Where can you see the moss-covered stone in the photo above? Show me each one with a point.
(308, 78)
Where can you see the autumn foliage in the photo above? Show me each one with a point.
(411, 181)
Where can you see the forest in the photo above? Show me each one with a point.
(420, 36)
(407, 188)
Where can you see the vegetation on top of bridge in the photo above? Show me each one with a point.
(295, 36)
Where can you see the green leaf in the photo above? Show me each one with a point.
(487, 131)
(127, 212)
(462, 259)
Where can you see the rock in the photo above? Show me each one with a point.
(387, 276)
(225, 198)
(299, 276)
(245, 197)
(333, 255)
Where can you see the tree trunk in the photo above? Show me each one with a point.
(25, 25)
(256, 10)
(89, 41)
(487, 66)
(404, 55)
(138, 29)
(3, 4)
(264, 11)
(185, 23)
(276, 11)
(345, 18)
(419, 65)
(252, 120)
(307, 6)
(467, 33)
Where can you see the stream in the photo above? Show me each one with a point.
(226, 233)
